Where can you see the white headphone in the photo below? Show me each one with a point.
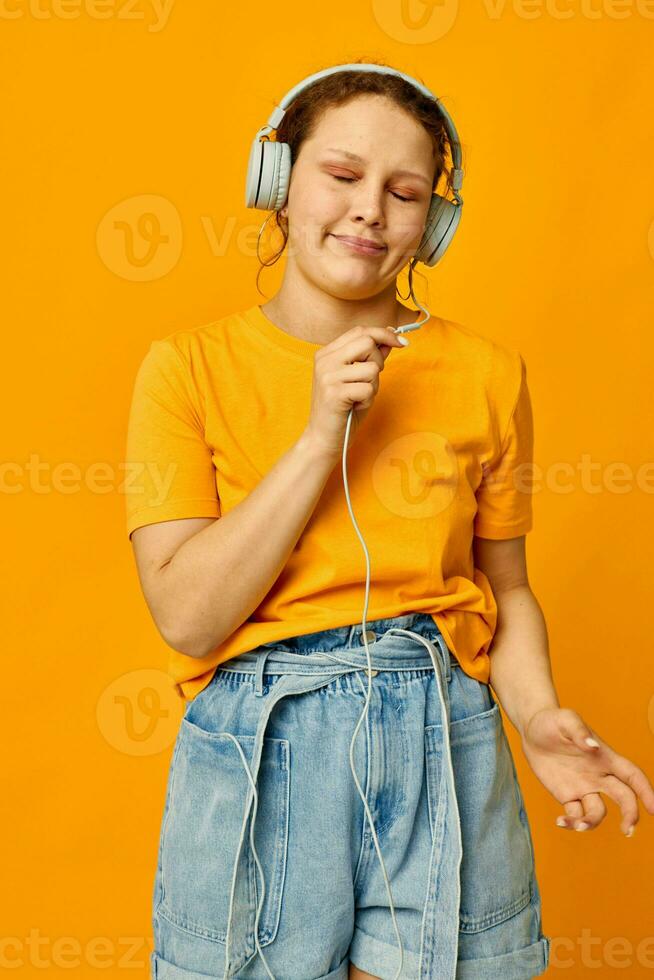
(269, 167)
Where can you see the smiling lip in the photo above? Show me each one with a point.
(364, 245)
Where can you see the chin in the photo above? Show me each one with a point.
(349, 290)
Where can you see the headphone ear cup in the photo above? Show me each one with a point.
(268, 176)
(283, 178)
(442, 221)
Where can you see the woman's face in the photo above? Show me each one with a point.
(381, 193)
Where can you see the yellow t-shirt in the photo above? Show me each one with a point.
(437, 460)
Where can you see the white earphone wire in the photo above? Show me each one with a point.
(403, 329)
(399, 330)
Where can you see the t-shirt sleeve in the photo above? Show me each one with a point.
(169, 471)
(504, 496)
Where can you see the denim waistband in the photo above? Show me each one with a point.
(341, 650)
(344, 637)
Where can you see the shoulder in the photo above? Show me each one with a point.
(500, 367)
(191, 341)
(171, 367)
(186, 354)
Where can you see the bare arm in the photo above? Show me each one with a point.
(201, 590)
(202, 577)
(520, 669)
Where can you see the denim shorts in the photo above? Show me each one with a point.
(286, 883)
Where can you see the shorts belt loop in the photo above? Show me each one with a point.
(445, 656)
(261, 662)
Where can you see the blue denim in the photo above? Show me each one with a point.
(288, 884)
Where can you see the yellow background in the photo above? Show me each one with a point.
(126, 133)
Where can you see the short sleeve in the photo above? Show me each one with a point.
(504, 497)
(169, 472)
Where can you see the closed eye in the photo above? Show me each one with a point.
(350, 179)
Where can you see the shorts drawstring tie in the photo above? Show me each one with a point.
(438, 946)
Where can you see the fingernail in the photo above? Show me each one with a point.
(630, 832)
(582, 826)
(403, 341)
(561, 822)
(592, 743)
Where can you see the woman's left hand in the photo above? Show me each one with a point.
(575, 773)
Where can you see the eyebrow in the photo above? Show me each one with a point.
(358, 159)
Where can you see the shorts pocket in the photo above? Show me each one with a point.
(202, 829)
(497, 866)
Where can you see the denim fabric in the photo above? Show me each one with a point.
(445, 802)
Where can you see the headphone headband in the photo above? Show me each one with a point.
(279, 111)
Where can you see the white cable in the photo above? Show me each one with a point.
(403, 329)
(226, 973)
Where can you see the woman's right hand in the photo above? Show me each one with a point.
(345, 376)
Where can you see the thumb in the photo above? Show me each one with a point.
(576, 729)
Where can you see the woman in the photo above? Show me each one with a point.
(272, 860)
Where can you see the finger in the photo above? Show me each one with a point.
(626, 799)
(360, 351)
(635, 778)
(381, 335)
(594, 811)
(573, 811)
(584, 814)
(376, 357)
(617, 764)
(359, 371)
(385, 351)
(573, 726)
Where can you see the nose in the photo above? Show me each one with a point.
(367, 203)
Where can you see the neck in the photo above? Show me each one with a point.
(314, 315)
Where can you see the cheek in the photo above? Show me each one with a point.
(407, 229)
(407, 232)
(316, 212)
(309, 229)
(406, 239)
